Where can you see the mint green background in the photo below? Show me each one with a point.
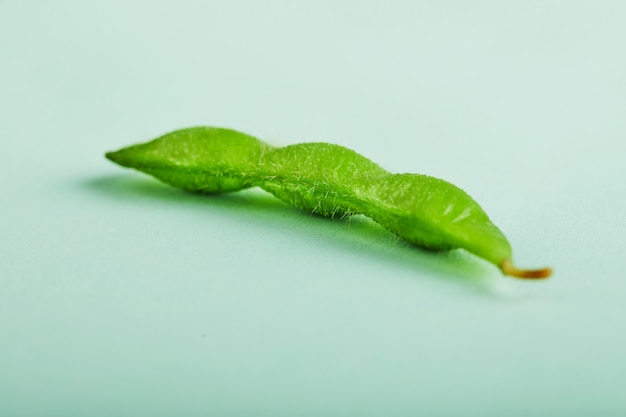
(122, 297)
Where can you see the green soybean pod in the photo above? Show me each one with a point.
(329, 180)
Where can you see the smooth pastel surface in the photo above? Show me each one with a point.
(122, 296)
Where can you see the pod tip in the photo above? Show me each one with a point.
(119, 157)
(112, 156)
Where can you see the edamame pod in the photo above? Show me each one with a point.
(329, 180)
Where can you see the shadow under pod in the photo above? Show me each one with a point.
(356, 234)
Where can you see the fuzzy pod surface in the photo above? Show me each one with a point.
(329, 180)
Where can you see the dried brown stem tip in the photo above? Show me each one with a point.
(508, 268)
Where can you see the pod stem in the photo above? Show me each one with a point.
(508, 268)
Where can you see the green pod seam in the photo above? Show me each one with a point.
(329, 180)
